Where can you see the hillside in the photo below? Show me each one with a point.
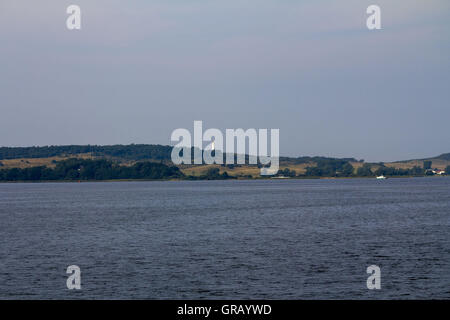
(128, 156)
(124, 152)
(444, 156)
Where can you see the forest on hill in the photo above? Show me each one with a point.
(128, 152)
(82, 169)
(141, 161)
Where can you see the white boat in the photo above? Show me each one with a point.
(381, 177)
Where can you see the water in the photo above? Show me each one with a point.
(289, 239)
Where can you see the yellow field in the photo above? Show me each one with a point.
(36, 162)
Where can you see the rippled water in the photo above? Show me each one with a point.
(293, 239)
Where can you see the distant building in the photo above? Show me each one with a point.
(436, 171)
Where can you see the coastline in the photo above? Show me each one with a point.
(236, 178)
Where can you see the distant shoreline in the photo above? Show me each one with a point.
(153, 163)
(237, 179)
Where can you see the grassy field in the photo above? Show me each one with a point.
(36, 162)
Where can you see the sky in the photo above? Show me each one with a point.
(137, 70)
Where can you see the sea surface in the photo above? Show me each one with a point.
(256, 239)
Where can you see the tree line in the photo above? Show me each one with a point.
(129, 152)
(86, 169)
(328, 167)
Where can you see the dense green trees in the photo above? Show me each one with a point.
(340, 168)
(287, 173)
(347, 170)
(364, 171)
(427, 164)
(416, 171)
(447, 170)
(389, 171)
(214, 174)
(211, 174)
(129, 152)
(314, 172)
(330, 168)
(80, 169)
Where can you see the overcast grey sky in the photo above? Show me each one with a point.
(140, 69)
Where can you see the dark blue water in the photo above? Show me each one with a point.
(292, 239)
